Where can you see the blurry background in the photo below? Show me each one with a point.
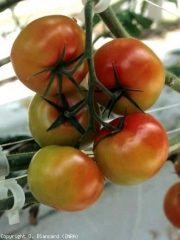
(126, 213)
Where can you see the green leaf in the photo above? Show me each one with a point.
(143, 21)
(133, 30)
(127, 20)
(175, 52)
(175, 70)
(124, 16)
(96, 19)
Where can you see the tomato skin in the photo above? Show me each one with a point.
(41, 115)
(64, 178)
(137, 67)
(172, 204)
(39, 46)
(177, 166)
(134, 154)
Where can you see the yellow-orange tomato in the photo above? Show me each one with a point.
(40, 45)
(137, 67)
(41, 115)
(64, 178)
(172, 204)
(135, 153)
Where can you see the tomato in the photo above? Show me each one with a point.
(41, 116)
(40, 45)
(137, 67)
(177, 166)
(64, 178)
(172, 204)
(133, 154)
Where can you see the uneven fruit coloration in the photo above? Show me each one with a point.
(41, 115)
(40, 45)
(64, 178)
(133, 154)
(137, 68)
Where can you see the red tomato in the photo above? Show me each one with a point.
(172, 204)
(41, 115)
(40, 45)
(64, 178)
(137, 67)
(133, 154)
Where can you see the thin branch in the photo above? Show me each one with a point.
(4, 61)
(113, 23)
(172, 81)
(19, 161)
(7, 203)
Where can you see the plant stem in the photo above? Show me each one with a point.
(19, 161)
(172, 81)
(7, 203)
(113, 23)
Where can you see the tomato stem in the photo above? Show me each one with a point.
(7, 203)
(113, 23)
(172, 81)
(19, 161)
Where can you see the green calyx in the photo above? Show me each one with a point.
(62, 117)
(59, 70)
(119, 91)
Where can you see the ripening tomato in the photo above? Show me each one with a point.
(133, 154)
(136, 66)
(40, 45)
(172, 204)
(64, 178)
(41, 115)
(177, 166)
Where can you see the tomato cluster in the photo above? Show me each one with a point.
(63, 116)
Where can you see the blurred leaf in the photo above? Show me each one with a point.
(175, 70)
(133, 30)
(175, 52)
(127, 20)
(124, 16)
(96, 19)
(143, 21)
